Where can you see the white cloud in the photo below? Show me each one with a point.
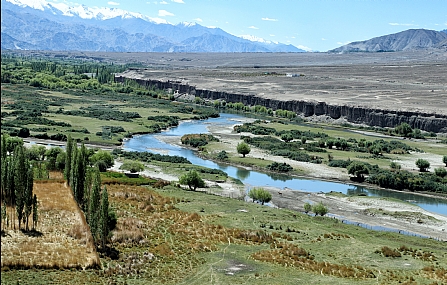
(163, 2)
(340, 43)
(253, 27)
(164, 13)
(271, 35)
(400, 24)
(198, 20)
(268, 19)
(113, 3)
(323, 39)
(178, 1)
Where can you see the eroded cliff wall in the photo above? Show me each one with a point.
(354, 114)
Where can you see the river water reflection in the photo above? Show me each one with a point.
(254, 178)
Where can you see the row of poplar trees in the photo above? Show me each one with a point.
(85, 183)
(17, 188)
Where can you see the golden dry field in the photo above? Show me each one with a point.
(62, 238)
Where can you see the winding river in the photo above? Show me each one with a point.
(254, 178)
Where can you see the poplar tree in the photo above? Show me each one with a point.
(35, 213)
(94, 204)
(20, 181)
(4, 178)
(28, 196)
(104, 217)
(73, 171)
(10, 186)
(68, 159)
(80, 172)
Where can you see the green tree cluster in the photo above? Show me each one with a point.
(17, 179)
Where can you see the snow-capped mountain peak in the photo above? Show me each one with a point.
(257, 39)
(35, 4)
(186, 24)
(82, 11)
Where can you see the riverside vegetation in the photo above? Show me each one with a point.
(165, 234)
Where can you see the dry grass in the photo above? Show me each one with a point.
(62, 240)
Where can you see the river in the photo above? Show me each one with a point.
(253, 178)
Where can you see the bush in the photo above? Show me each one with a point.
(222, 155)
(192, 179)
(339, 163)
(441, 172)
(196, 140)
(132, 166)
(388, 252)
(422, 164)
(280, 167)
(359, 169)
(261, 195)
(307, 207)
(320, 209)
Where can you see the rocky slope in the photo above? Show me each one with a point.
(355, 114)
(406, 40)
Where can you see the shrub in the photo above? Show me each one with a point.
(320, 209)
(192, 179)
(388, 252)
(441, 172)
(422, 164)
(261, 195)
(280, 167)
(307, 207)
(358, 169)
(132, 166)
(222, 155)
(339, 163)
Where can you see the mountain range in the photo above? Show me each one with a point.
(41, 25)
(413, 39)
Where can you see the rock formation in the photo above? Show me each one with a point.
(429, 122)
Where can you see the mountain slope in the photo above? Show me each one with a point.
(407, 40)
(56, 26)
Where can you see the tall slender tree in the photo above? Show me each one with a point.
(104, 218)
(28, 196)
(68, 159)
(4, 178)
(81, 164)
(35, 213)
(94, 204)
(20, 180)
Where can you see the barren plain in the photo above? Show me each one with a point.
(407, 81)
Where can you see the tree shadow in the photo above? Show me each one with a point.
(4, 234)
(32, 233)
(358, 179)
(110, 252)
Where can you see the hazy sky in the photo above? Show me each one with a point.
(318, 25)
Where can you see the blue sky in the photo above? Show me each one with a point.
(317, 25)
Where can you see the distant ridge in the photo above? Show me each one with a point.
(42, 25)
(413, 39)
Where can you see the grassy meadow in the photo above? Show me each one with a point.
(168, 235)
